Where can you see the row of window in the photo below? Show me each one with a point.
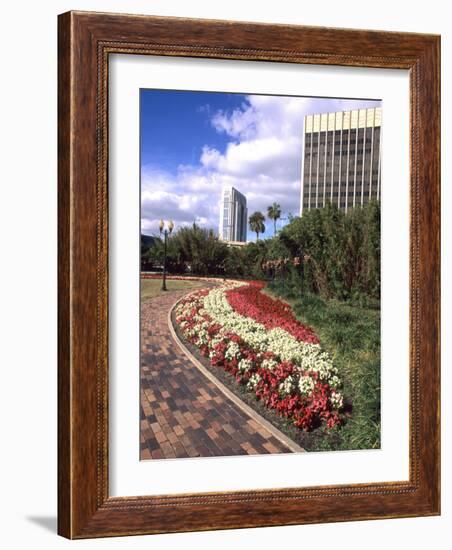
(351, 186)
(345, 132)
(336, 194)
(337, 152)
(343, 174)
(338, 142)
(341, 204)
(321, 182)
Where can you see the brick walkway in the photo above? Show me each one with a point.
(183, 414)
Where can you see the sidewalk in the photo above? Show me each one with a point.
(183, 414)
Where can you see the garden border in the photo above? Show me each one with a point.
(294, 447)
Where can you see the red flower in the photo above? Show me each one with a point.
(306, 412)
(249, 301)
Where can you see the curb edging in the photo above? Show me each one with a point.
(282, 438)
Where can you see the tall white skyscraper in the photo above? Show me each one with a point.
(233, 215)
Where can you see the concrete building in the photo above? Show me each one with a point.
(341, 159)
(233, 216)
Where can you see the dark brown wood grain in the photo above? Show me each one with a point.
(64, 295)
(85, 42)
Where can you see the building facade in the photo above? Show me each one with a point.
(341, 159)
(233, 216)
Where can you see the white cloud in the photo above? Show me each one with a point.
(184, 198)
(262, 160)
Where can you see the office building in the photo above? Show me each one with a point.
(233, 216)
(341, 159)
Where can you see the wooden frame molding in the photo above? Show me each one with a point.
(85, 42)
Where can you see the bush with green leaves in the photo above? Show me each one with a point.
(341, 254)
(341, 251)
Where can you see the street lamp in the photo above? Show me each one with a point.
(165, 232)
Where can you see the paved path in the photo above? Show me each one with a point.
(183, 414)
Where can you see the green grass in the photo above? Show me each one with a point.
(352, 336)
(150, 288)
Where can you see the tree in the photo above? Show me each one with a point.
(274, 213)
(256, 221)
(341, 251)
(200, 250)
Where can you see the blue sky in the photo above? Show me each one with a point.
(194, 143)
(176, 125)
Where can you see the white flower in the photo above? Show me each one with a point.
(232, 351)
(306, 356)
(202, 337)
(244, 365)
(253, 381)
(336, 399)
(306, 385)
(287, 387)
(335, 382)
(268, 364)
(214, 308)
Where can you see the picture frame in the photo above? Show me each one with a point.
(86, 40)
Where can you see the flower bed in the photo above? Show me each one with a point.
(281, 362)
(159, 276)
(248, 300)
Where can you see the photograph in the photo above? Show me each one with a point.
(260, 274)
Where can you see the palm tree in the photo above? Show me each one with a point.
(256, 221)
(274, 213)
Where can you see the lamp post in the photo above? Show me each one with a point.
(165, 232)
